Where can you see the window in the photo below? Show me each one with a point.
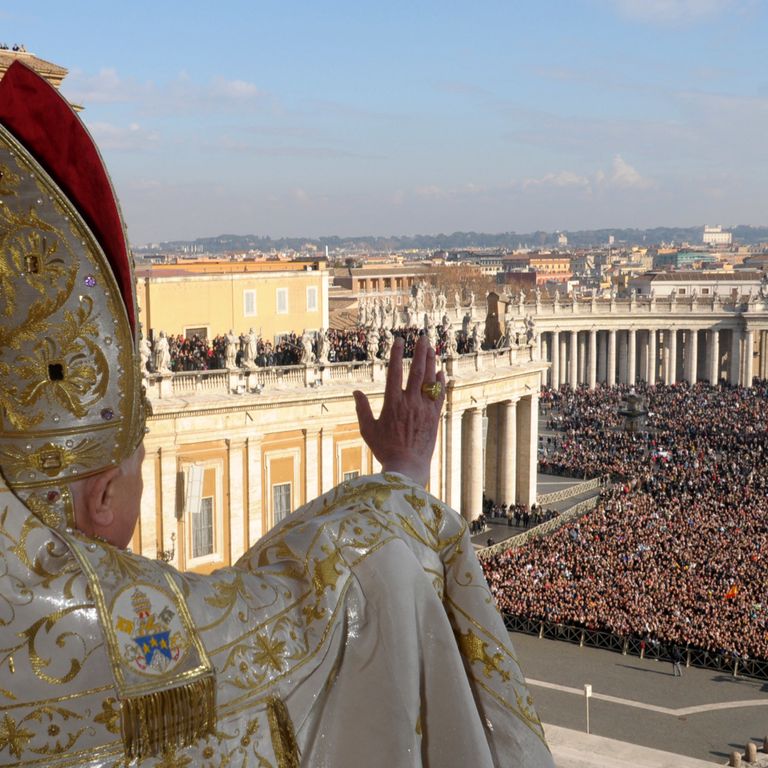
(282, 301)
(202, 528)
(681, 291)
(281, 501)
(705, 291)
(249, 303)
(312, 298)
(201, 333)
(351, 475)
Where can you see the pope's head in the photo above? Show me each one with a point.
(107, 504)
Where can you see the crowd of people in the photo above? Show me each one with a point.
(196, 353)
(676, 550)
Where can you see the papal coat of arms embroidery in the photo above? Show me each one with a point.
(150, 633)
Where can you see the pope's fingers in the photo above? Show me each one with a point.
(418, 366)
(395, 368)
(364, 414)
(429, 366)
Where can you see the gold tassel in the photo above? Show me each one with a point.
(281, 730)
(168, 719)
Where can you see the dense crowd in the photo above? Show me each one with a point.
(342, 346)
(676, 549)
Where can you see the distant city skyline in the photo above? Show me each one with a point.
(310, 121)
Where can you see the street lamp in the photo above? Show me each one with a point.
(633, 413)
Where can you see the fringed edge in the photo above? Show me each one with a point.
(284, 743)
(168, 719)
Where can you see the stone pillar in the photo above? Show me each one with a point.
(527, 444)
(170, 507)
(610, 378)
(592, 358)
(734, 379)
(492, 440)
(237, 502)
(692, 356)
(713, 362)
(632, 356)
(642, 344)
(453, 442)
(149, 506)
(326, 457)
(749, 350)
(555, 351)
(582, 377)
(563, 360)
(473, 464)
(623, 357)
(671, 372)
(255, 500)
(573, 374)
(507, 456)
(602, 357)
(651, 377)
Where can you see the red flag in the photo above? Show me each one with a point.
(731, 593)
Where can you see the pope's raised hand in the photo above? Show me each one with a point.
(403, 437)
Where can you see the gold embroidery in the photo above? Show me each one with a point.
(326, 574)
(474, 649)
(109, 716)
(13, 736)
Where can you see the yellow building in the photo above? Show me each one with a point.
(225, 463)
(209, 298)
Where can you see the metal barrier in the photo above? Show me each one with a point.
(576, 511)
(567, 493)
(732, 664)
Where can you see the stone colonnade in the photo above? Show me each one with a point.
(625, 355)
(491, 448)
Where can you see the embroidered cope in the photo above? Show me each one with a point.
(359, 631)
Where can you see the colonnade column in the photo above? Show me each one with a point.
(670, 376)
(238, 500)
(692, 356)
(453, 442)
(507, 456)
(734, 378)
(527, 431)
(602, 357)
(651, 376)
(563, 360)
(632, 357)
(611, 373)
(555, 354)
(714, 357)
(749, 349)
(472, 507)
(573, 375)
(592, 358)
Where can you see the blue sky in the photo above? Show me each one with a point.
(309, 119)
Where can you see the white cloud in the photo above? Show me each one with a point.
(621, 175)
(127, 138)
(181, 94)
(675, 11)
(625, 176)
(560, 179)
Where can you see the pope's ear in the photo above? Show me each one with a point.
(100, 498)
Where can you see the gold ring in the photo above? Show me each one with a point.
(433, 390)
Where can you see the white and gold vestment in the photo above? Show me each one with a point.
(360, 631)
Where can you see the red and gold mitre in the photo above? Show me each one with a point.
(71, 401)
